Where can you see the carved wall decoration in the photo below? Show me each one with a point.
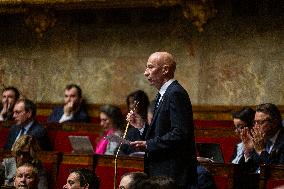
(199, 12)
(40, 20)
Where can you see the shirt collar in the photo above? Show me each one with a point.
(28, 126)
(165, 86)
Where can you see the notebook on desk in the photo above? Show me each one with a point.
(81, 144)
(211, 151)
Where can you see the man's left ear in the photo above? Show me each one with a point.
(29, 114)
(165, 69)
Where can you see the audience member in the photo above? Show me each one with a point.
(265, 143)
(243, 118)
(10, 95)
(24, 115)
(112, 122)
(131, 179)
(25, 151)
(26, 177)
(82, 178)
(73, 109)
(133, 133)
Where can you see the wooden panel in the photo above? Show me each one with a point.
(71, 161)
(105, 168)
(271, 176)
(223, 174)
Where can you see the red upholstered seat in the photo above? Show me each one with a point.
(4, 131)
(213, 123)
(58, 134)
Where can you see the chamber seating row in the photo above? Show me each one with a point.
(226, 176)
(58, 134)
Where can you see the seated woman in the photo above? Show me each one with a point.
(82, 178)
(242, 119)
(24, 151)
(133, 133)
(112, 122)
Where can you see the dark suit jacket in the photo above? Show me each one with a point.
(79, 116)
(170, 138)
(36, 130)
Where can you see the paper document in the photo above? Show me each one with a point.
(115, 138)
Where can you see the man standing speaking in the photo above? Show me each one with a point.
(169, 140)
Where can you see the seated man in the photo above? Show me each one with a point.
(264, 144)
(10, 95)
(26, 177)
(72, 109)
(24, 115)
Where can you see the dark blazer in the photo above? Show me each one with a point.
(36, 130)
(170, 138)
(80, 116)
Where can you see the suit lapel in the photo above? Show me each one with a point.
(165, 96)
(278, 142)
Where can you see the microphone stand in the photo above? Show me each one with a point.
(118, 150)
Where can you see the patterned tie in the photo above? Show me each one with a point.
(156, 102)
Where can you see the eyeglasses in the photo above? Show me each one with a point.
(121, 187)
(19, 112)
(241, 126)
(261, 122)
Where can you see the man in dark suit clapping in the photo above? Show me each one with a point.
(169, 141)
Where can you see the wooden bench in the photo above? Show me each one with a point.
(59, 133)
(271, 176)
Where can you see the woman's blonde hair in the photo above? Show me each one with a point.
(31, 143)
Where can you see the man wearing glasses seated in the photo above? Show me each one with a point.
(24, 115)
(264, 143)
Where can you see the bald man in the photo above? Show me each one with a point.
(169, 140)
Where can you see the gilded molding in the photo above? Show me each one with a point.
(198, 12)
(40, 20)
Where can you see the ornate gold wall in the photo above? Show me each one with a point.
(236, 60)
